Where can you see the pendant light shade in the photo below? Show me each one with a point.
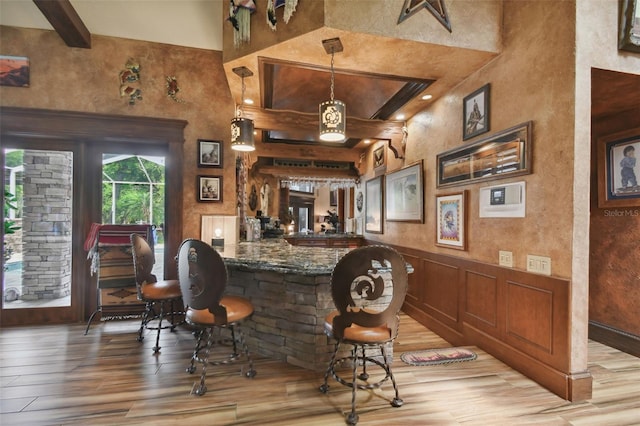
(333, 113)
(242, 128)
(242, 134)
(332, 120)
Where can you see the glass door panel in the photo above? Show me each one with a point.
(133, 192)
(37, 237)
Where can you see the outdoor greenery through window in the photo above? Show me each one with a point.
(133, 190)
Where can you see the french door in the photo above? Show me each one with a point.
(51, 167)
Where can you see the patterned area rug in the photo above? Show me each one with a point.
(438, 356)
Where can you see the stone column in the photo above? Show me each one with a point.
(47, 216)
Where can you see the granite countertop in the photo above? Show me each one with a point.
(277, 255)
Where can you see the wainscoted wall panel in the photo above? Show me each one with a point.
(519, 317)
(441, 291)
(481, 300)
(529, 315)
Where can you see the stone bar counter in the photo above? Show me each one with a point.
(289, 287)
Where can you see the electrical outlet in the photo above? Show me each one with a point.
(505, 258)
(539, 264)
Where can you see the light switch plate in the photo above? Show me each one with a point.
(539, 264)
(505, 258)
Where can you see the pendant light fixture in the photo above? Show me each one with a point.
(333, 116)
(242, 128)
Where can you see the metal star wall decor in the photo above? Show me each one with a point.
(436, 7)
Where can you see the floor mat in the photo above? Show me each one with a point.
(438, 356)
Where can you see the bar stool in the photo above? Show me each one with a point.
(203, 279)
(368, 287)
(152, 291)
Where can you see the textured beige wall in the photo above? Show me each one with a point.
(309, 16)
(469, 19)
(73, 79)
(529, 81)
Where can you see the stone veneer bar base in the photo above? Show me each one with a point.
(290, 288)
(288, 322)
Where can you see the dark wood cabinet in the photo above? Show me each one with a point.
(329, 240)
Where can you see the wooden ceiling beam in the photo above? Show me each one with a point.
(307, 152)
(65, 20)
(357, 128)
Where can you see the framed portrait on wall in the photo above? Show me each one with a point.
(209, 188)
(451, 221)
(618, 171)
(373, 205)
(209, 153)
(475, 115)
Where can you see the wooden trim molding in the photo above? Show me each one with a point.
(615, 338)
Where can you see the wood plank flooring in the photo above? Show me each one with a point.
(55, 375)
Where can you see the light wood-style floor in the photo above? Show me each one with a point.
(54, 375)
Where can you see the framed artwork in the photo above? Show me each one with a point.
(629, 26)
(451, 221)
(333, 198)
(209, 188)
(209, 153)
(404, 194)
(378, 157)
(475, 113)
(373, 205)
(504, 154)
(475, 116)
(618, 184)
(15, 71)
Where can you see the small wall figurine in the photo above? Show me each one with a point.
(131, 74)
(173, 89)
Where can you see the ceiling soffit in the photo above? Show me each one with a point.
(290, 86)
(376, 77)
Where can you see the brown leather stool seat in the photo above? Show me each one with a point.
(238, 308)
(356, 333)
(161, 290)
